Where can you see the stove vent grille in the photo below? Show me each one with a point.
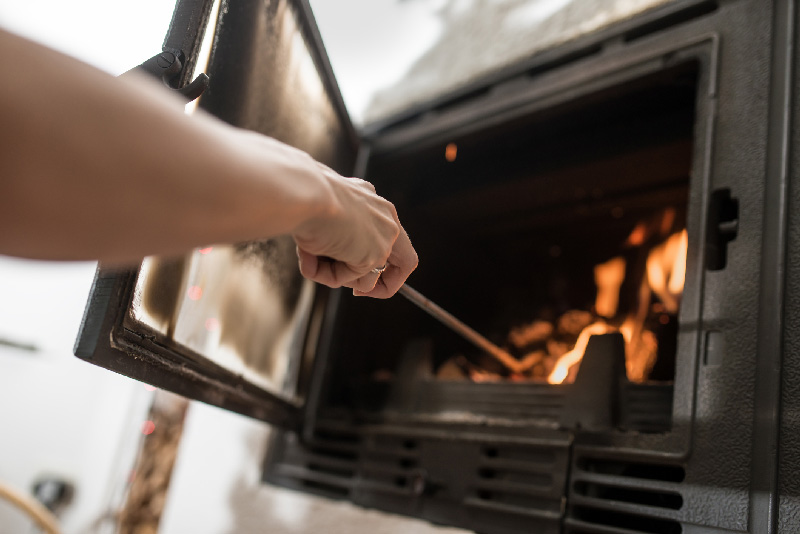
(623, 497)
(524, 481)
(325, 465)
(390, 465)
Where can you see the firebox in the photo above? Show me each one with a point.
(614, 210)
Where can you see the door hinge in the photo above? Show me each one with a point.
(167, 66)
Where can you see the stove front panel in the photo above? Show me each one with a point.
(710, 467)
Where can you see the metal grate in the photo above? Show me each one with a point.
(523, 481)
(324, 465)
(390, 465)
(609, 496)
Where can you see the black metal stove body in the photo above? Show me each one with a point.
(689, 104)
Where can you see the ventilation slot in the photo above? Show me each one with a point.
(617, 496)
(672, 501)
(667, 473)
(619, 523)
(525, 481)
(390, 465)
(327, 489)
(345, 471)
(674, 19)
(325, 465)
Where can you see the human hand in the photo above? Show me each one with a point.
(358, 236)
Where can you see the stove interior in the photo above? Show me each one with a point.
(537, 230)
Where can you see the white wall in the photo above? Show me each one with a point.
(59, 415)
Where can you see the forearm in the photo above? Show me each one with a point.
(94, 148)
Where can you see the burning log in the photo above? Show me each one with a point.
(574, 322)
(538, 332)
(451, 370)
(532, 359)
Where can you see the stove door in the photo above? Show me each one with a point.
(235, 326)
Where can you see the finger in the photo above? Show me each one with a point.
(364, 284)
(326, 272)
(402, 262)
(309, 263)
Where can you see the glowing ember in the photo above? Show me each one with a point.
(638, 235)
(450, 152)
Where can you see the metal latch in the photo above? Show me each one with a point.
(722, 228)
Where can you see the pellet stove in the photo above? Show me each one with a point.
(616, 211)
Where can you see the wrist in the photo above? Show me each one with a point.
(293, 191)
(318, 197)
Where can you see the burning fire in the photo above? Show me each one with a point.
(665, 276)
(608, 277)
(666, 270)
(572, 357)
(638, 292)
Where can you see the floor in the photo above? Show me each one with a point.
(216, 488)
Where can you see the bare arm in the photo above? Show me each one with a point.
(95, 167)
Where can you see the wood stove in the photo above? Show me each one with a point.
(660, 142)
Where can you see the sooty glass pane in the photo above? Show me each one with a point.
(243, 307)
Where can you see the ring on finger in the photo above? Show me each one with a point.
(379, 270)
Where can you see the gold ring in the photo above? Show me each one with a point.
(379, 270)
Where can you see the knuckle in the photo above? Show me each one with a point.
(414, 261)
(388, 206)
(364, 184)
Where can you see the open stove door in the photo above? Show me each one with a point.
(235, 326)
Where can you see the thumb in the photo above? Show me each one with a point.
(309, 263)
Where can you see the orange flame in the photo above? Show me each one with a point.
(666, 270)
(638, 235)
(562, 367)
(608, 277)
(666, 274)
